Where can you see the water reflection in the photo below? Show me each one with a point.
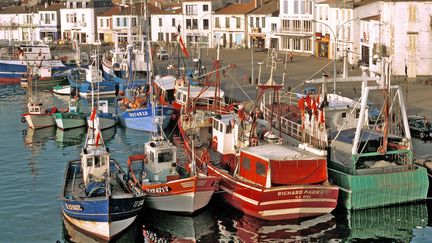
(35, 139)
(70, 137)
(73, 234)
(164, 227)
(391, 223)
(108, 134)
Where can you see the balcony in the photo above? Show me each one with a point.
(293, 31)
(255, 30)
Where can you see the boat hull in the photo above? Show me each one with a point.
(69, 120)
(181, 196)
(143, 119)
(36, 121)
(105, 121)
(103, 216)
(380, 189)
(103, 88)
(277, 203)
(62, 90)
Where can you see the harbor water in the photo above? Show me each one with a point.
(32, 164)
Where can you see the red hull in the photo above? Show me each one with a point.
(277, 203)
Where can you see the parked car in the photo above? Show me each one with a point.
(162, 54)
(420, 127)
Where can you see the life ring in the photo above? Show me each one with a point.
(214, 143)
(205, 157)
(23, 120)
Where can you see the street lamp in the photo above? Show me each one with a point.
(252, 52)
(335, 47)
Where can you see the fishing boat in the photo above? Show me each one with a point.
(73, 118)
(62, 90)
(168, 187)
(105, 118)
(43, 76)
(97, 197)
(38, 116)
(261, 176)
(372, 163)
(15, 60)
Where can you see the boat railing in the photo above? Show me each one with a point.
(314, 134)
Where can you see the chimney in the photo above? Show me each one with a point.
(46, 4)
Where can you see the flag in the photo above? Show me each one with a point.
(183, 47)
(93, 115)
(98, 135)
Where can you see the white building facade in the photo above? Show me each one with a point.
(49, 16)
(296, 32)
(401, 29)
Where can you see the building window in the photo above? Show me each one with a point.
(412, 42)
(83, 17)
(160, 22)
(194, 24)
(296, 6)
(307, 44)
(42, 17)
(302, 7)
(160, 36)
(263, 22)
(273, 27)
(52, 17)
(238, 24)
(285, 25)
(412, 13)
(296, 25)
(205, 24)
(108, 23)
(191, 9)
(217, 24)
(125, 22)
(205, 8)
(251, 22)
(257, 22)
(118, 22)
(285, 6)
(101, 22)
(227, 22)
(188, 24)
(134, 22)
(173, 22)
(296, 44)
(307, 25)
(286, 43)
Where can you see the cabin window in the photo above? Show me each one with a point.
(215, 124)
(343, 114)
(103, 161)
(151, 156)
(184, 98)
(246, 164)
(357, 113)
(165, 157)
(221, 127)
(228, 128)
(97, 162)
(89, 162)
(260, 169)
(178, 96)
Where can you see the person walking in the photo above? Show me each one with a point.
(291, 56)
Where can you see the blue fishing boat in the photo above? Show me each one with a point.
(143, 119)
(97, 196)
(14, 63)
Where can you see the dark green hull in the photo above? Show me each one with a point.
(380, 189)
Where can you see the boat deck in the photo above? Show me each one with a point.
(74, 182)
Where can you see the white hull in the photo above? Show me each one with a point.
(105, 230)
(103, 123)
(183, 203)
(88, 94)
(39, 121)
(64, 90)
(69, 123)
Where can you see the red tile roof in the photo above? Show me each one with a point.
(237, 8)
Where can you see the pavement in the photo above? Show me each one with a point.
(236, 83)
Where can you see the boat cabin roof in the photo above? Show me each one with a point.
(279, 152)
(337, 102)
(166, 82)
(347, 136)
(196, 90)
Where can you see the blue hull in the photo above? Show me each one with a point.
(11, 72)
(102, 88)
(143, 119)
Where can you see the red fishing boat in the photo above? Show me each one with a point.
(261, 176)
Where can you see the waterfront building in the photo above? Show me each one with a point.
(19, 23)
(296, 26)
(402, 29)
(264, 22)
(164, 26)
(334, 23)
(78, 19)
(231, 27)
(49, 15)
